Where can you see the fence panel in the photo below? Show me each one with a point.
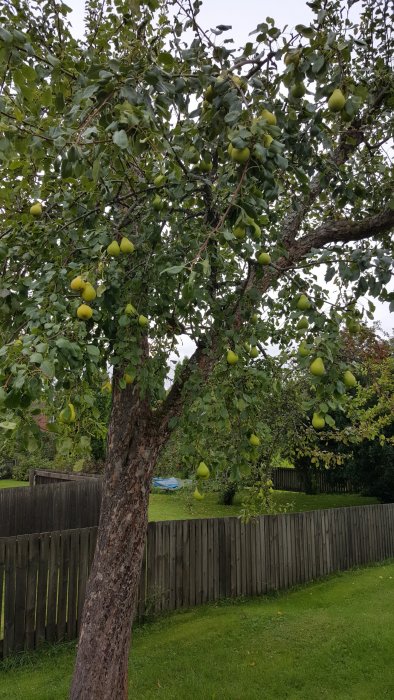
(62, 506)
(43, 576)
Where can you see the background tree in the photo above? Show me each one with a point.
(153, 130)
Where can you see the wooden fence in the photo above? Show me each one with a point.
(324, 482)
(60, 506)
(186, 563)
(40, 477)
(283, 478)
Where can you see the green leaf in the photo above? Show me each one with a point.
(36, 357)
(174, 270)
(93, 351)
(307, 32)
(48, 368)
(120, 139)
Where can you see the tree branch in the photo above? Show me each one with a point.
(344, 231)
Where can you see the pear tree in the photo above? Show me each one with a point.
(132, 159)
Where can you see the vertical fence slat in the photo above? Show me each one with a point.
(192, 577)
(9, 597)
(42, 588)
(83, 571)
(2, 567)
(73, 586)
(31, 593)
(20, 592)
(52, 586)
(63, 586)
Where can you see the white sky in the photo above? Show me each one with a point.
(244, 16)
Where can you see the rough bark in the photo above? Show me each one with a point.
(102, 657)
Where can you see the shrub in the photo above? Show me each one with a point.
(6, 468)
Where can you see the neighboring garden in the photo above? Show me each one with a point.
(269, 645)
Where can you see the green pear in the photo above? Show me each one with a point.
(302, 324)
(197, 495)
(254, 440)
(254, 319)
(298, 90)
(113, 249)
(67, 414)
(269, 117)
(263, 258)
(318, 421)
(77, 284)
(239, 232)
(267, 140)
(88, 292)
(303, 303)
(349, 379)
(106, 387)
(317, 367)
(202, 471)
(130, 310)
(84, 312)
(159, 180)
(157, 203)
(36, 209)
(254, 352)
(337, 101)
(126, 246)
(209, 93)
(240, 155)
(143, 321)
(303, 349)
(232, 358)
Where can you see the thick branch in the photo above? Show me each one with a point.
(344, 231)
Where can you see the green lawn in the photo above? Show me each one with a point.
(11, 483)
(332, 639)
(180, 506)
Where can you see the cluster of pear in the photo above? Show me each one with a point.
(317, 368)
(88, 293)
(157, 202)
(337, 100)
(126, 246)
(242, 155)
(202, 473)
(130, 310)
(232, 357)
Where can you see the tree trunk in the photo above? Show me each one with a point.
(102, 658)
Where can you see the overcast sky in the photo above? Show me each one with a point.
(244, 16)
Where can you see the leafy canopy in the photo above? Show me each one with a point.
(153, 129)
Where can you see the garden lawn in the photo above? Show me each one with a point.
(182, 506)
(11, 483)
(332, 639)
